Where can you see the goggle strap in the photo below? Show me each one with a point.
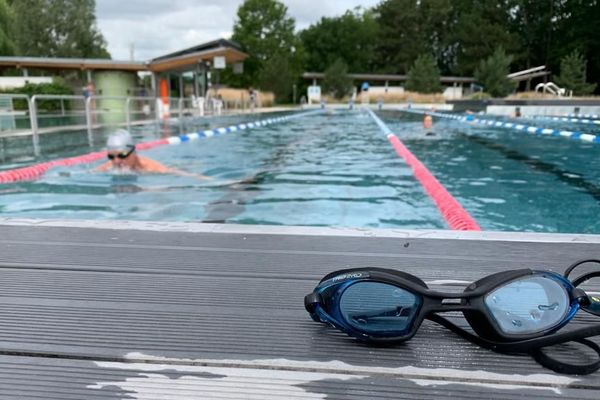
(534, 346)
(565, 368)
(461, 332)
(577, 264)
(591, 303)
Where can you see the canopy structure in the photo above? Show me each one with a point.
(182, 59)
(184, 71)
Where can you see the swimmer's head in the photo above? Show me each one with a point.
(427, 122)
(119, 140)
(120, 149)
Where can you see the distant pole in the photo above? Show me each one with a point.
(294, 93)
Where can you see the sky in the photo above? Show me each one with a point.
(158, 27)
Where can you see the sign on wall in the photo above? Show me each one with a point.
(219, 62)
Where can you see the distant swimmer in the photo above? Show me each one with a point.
(122, 157)
(428, 124)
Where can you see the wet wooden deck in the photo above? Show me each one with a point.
(159, 311)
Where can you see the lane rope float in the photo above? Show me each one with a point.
(451, 210)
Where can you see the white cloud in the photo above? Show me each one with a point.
(158, 27)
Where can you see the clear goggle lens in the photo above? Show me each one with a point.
(529, 305)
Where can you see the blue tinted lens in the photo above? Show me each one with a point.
(529, 305)
(379, 308)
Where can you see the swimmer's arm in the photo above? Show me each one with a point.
(158, 168)
(104, 167)
(179, 172)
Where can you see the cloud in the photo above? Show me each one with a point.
(158, 27)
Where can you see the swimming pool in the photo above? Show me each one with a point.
(336, 169)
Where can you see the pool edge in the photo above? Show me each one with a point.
(201, 227)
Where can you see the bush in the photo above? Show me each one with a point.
(277, 76)
(424, 76)
(479, 96)
(336, 80)
(573, 74)
(57, 87)
(492, 72)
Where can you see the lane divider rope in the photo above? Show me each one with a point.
(452, 211)
(588, 116)
(534, 130)
(37, 170)
(569, 119)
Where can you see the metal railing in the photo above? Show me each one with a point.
(146, 109)
(31, 111)
(54, 113)
(34, 115)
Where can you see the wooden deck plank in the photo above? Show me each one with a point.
(39, 378)
(235, 301)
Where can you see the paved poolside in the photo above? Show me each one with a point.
(111, 310)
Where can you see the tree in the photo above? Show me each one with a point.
(336, 80)
(264, 30)
(573, 69)
(492, 74)
(409, 28)
(424, 75)
(277, 76)
(476, 29)
(533, 23)
(577, 24)
(351, 37)
(58, 28)
(7, 45)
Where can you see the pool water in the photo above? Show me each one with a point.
(336, 169)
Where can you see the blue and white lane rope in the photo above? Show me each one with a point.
(534, 130)
(570, 119)
(235, 128)
(588, 116)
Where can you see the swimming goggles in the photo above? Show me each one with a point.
(517, 311)
(123, 155)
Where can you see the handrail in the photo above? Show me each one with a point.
(88, 120)
(526, 71)
(90, 113)
(32, 124)
(128, 107)
(553, 88)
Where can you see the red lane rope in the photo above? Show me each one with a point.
(454, 214)
(35, 171)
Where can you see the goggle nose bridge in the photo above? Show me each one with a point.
(452, 303)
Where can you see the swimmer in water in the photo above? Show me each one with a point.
(428, 124)
(122, 157)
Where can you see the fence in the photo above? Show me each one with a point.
(54, 113)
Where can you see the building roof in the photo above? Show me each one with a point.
(185, 58)
(389, 77)
(181, 59)
(72, 63)
(215, 44)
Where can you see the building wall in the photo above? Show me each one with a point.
(113, 84)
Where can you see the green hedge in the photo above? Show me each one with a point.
(57, 87)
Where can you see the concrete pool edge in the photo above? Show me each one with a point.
(200, 227)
